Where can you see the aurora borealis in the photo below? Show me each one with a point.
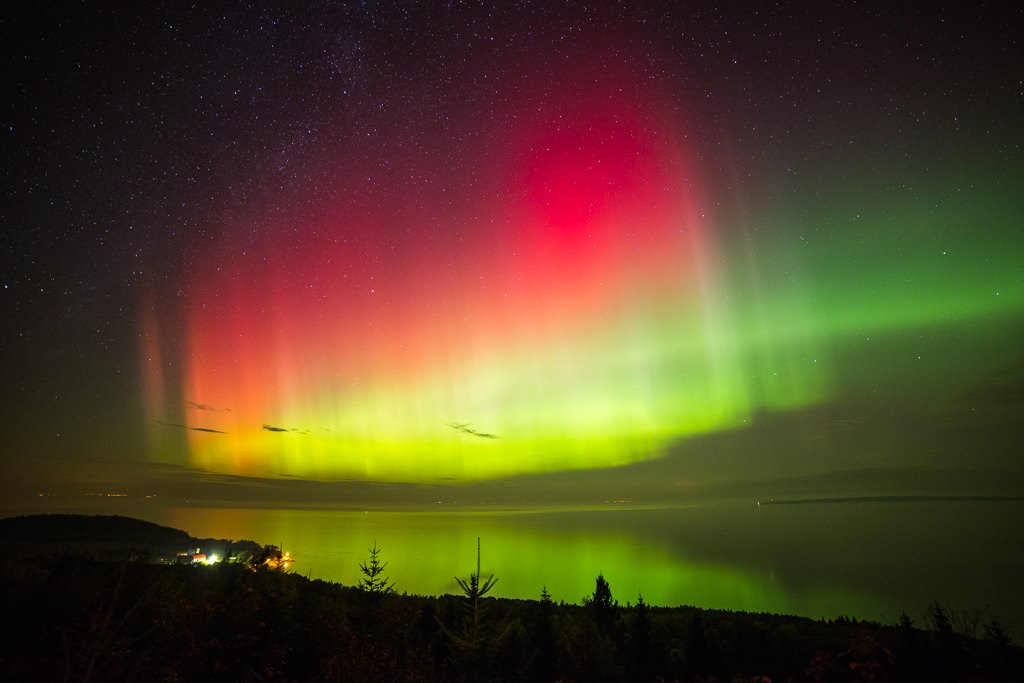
(575, 311)
(427, 252)
(585, 280)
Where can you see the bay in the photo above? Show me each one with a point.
(862, 559)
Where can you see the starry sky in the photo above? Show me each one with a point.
(532, 251)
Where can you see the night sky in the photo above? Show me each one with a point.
(394, 252)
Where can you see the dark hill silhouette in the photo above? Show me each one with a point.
(89, 528)
(109, 536)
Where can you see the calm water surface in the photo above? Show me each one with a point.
(868, 560)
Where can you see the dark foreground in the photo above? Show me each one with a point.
(71, 616)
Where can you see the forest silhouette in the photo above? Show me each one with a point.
(94, 616)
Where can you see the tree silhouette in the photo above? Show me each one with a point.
(996, 633)
(939, 619)
(473, 611)
(642, 639)
(269, 557)
(949, 655)
(543, 662)
(470, 645)
(374, 581)
(603, 608)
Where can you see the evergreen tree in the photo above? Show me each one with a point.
(603, 608)
(642, 639)
(940, 620)
(374, 581)
(949, 656)
(908, 632)
(471, 646)
(913, 658)
(995, 633)
(472, 628)
(543, 664)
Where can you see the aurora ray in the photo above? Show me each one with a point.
(577, 311)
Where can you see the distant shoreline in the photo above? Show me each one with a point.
(894, 499)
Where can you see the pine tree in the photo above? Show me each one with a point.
(643, 618)
(374, 581)
(470, 648)
(543, 663)
(908, 631)
(995, 633)
(603, 608)
(642, 639)
(940, 620)
(472, 635)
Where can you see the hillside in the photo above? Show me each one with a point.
(106, 536)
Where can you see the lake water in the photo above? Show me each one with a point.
(868, 560)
